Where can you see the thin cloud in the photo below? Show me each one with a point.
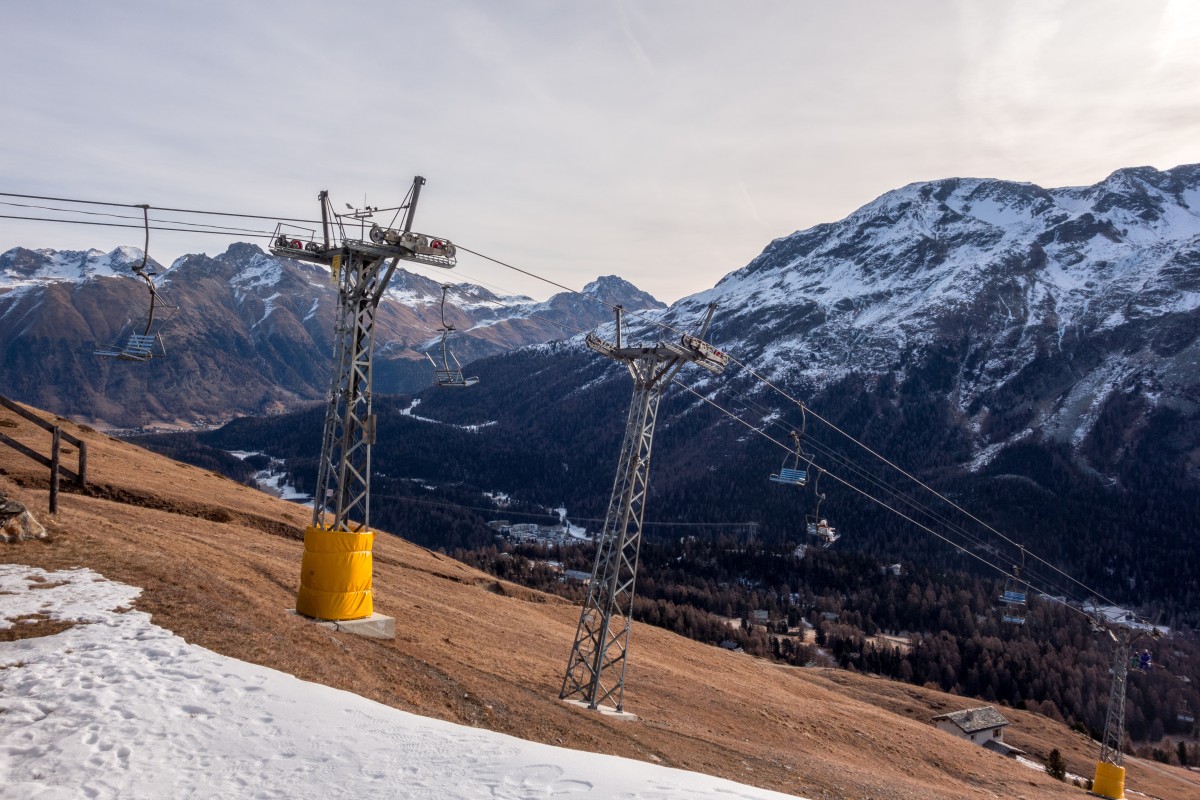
(666, 142)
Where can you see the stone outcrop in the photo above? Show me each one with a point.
(16, 523)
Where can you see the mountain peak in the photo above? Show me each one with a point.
(20, 265)
(615, 290)
(239, 251)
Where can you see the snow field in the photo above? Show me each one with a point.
(117, 707)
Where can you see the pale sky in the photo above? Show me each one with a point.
(666, 142)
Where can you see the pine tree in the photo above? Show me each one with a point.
(1056, 767)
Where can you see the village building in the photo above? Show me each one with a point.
(983, 726)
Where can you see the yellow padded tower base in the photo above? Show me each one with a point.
(335, 575)
(1109, 781)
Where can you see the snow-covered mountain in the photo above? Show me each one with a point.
(1038, 309)
(1032, 352)
(20, 267)
(252, 333)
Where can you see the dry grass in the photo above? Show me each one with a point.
(33, 627)
(219, 564)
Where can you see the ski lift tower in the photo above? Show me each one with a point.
(1109, 780)
(595, 675)
(335, 581)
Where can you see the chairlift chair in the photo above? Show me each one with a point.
(139, 347)
(1014, 596)
(823, 531)
(148, 343)
(817, 525)
(792, 475)
(445, 375)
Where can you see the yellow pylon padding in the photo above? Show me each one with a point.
(335, 575)
(1109, 781)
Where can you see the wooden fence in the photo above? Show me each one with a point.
(57, 437)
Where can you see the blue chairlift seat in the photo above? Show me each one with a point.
(1011, 598)
(797, 477)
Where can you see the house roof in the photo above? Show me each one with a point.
(1003, 748)
(975, 719)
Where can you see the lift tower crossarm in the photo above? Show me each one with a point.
(595, 673)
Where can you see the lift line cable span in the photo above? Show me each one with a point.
(881, 483)
(845, 461)
(1002, 570)
(780, 444)
(916, 480)
(1039, 581)
(207, 230)
(272, 218)
(111, 215)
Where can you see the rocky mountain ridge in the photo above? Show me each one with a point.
(1045, 307)
(252, 332)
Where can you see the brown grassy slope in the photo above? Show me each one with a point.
(219, 564)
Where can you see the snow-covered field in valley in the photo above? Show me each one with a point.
(117, 707)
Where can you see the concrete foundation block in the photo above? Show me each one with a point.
(608, 712)
(376, 626)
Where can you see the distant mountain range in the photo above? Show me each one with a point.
(1033, 353)
(252, 334)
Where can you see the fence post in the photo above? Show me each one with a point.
(83, 465)
(55, 446)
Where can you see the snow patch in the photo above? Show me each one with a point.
(475, 428)
(122, 708)
(273, 479)
(575, 531)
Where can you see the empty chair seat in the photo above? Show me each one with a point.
(789, 475)
(453, 377)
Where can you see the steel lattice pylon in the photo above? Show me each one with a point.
(344, 474)
(596, 667)
(361, 268)
(1114, 723)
